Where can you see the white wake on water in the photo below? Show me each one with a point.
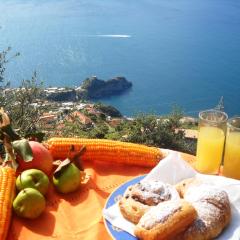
(111, 35)
(114, 36)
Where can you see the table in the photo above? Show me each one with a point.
(78, 215)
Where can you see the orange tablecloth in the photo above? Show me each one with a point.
(78, 215)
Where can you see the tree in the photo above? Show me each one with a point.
(25, 107)
(19, 103)
(4, 83)
(4, 59)
(108, 110)
(156, 131)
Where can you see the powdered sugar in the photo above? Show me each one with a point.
(153, 192)
(159, 214)
(206, 193)
(213, 208)
(208, 217)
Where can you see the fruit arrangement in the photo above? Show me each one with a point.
(28, 168)
(32, 185)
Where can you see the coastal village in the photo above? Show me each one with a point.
(80, 110)
(68, 105)
(62, 105)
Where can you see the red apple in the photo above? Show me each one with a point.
(42, 159)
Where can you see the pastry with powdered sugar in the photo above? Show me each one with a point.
(139, 198)
(166, 220)
(213, 208)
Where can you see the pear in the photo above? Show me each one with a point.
(29, 203)
(68, 178)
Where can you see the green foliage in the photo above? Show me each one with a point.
(145, 129)
(99, 131)
(92, 84)
(4, 59)
(190, 125)
(154, 131)
(92, 116)
(20, 105)
(108, 110)
(73, 129)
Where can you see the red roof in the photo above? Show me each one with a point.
(83, 118)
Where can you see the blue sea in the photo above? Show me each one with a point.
(175, 52)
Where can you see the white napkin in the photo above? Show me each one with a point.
(173, 169)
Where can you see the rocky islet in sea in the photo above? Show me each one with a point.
(91, 88)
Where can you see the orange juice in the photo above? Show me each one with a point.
(209, 149)
(231, 167)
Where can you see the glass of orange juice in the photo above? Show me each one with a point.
(211, 136)
(231, 164)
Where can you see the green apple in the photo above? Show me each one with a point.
(33, 178)
(29, 203)
(68, 179)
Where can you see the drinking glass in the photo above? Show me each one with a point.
(231, 162)
(211, 136)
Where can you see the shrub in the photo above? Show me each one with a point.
(160, 132)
